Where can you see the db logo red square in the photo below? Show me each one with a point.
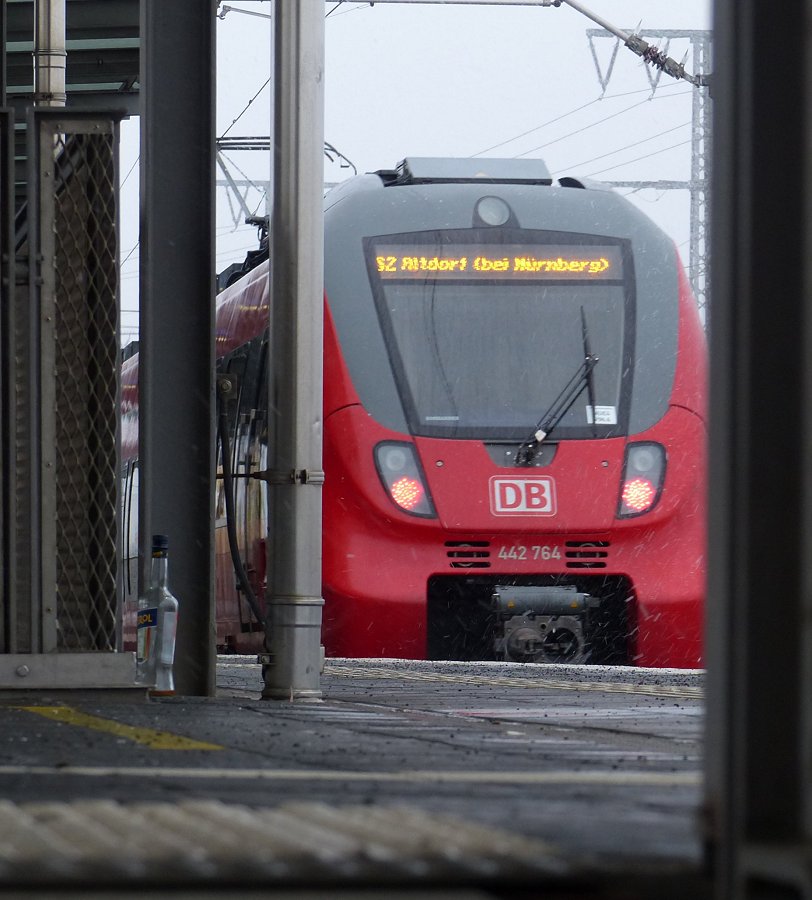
(522, 496)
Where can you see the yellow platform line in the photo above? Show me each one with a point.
(156, 740)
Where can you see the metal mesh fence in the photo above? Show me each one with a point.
(78, 383)
(85, 368)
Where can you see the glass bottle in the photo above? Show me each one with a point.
(157, 625)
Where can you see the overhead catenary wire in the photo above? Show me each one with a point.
(131, 170)
(247, 105)
(653, 137)
(589, 124)
(247, 12)
(221, 15)
(359, 7)
(638, 158)
(231, 255)
(635, 42)
(222, 253)
(536, 128)
(599, 99)
(130, 253)
(586, 127)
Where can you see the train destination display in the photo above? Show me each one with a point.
(554, 262)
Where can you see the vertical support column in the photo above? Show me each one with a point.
(50, 54)
(3, 40)
(759, 713)
(43, 289)
(698, 255)
(8, 607)
(295, 409)
(177, 317)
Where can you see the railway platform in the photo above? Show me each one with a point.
(469, 780)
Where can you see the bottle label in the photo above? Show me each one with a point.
(147, 623)
(166, 652)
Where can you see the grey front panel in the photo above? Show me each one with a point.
(364, 208)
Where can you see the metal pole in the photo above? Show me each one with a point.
(599, 20)
(50, 55)
(176, 370)
(295, 370)
(3, 41)
(9, 598)
(759, 690)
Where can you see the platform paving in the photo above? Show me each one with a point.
(496, 779)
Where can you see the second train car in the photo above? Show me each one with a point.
(514, 423)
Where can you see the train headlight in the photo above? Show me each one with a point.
(403, 479)
(643, 476)
(492, 211)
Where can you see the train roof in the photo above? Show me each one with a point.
(424, 171)
(445, 170)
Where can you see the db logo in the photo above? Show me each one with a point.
(522, 496)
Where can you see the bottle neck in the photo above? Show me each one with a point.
(159, 572)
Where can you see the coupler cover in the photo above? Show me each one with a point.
(541, 624)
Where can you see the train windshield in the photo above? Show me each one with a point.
(484, 334)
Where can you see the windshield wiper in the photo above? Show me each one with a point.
(581, 379)
(590, 378)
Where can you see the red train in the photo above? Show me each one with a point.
(514, 424)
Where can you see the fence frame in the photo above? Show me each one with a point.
(57, 631)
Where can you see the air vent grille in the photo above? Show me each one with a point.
(468, 554)
(586, 554)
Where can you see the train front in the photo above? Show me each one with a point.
(514, 422)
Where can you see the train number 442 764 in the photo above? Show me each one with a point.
(537, 551)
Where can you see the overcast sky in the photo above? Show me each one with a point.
(409, 79)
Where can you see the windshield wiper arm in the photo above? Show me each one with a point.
(590, 378)
(581, 379)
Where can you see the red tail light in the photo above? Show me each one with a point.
(643, 476)
(407, 492)
(402, 477)
(638, 494)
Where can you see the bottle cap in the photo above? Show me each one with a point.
(160, 542)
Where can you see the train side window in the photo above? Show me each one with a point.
(235, 364)
(252, 376)
(251, 385)
(259, 395)
(129, 530)
(261, 425)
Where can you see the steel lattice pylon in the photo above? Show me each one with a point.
(699, 183)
